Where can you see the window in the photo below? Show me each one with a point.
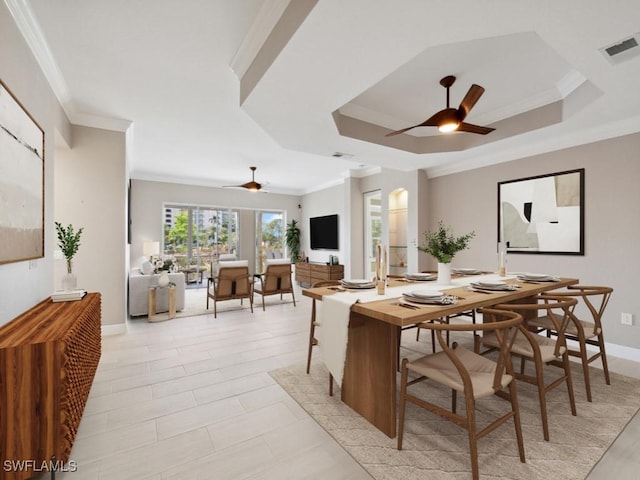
(195, 235)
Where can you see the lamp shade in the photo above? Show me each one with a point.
(150, 248)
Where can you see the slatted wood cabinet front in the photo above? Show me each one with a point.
(48, 358)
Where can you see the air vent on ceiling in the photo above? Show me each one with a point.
(622, 50)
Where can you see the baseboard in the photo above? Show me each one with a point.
(621, 351)
(117, 329)
(613, 350)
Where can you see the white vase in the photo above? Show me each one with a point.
(444, 273)
(163, 280)
(69, 281)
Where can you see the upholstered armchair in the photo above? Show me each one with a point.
(232, 282)
(276, 280)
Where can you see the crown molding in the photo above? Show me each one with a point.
(545, 144)
(263, 25)
(32, 33)
(96, 121)
(30, 29)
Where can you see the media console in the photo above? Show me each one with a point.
(309, 273)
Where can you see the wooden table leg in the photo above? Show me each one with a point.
(151, 304)
(172, 302)
(369, 381)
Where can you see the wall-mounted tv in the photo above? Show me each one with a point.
(324, 232)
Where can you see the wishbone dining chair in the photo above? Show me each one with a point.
(313, 341)
(474, 375)
(584, 332)
(528, 345)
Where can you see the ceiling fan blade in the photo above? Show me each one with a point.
(470, 128)
(398, 132)
(433, 121)
(469, 100)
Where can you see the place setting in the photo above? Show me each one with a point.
(537, 278)
(466, 271)
(357, 284)
(419, 277)
(484, 286)
(421, 298)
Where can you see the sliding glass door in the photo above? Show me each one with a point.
(269, 238)
(196, 235)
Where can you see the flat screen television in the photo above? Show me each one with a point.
(324, 232)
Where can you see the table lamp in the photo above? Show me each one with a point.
(149, 249)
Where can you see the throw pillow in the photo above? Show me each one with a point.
(146, 268)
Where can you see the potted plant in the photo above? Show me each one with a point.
(443, 245)
(292, 238)
(69, 243)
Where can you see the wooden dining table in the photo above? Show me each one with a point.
(369, 380)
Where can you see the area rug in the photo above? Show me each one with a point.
(437, 449)
(196, 303)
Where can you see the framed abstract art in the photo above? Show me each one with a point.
(21, 182)
(543, 214)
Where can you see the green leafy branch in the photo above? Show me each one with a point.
(68, 241)
(443, 245)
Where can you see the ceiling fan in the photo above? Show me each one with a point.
(452, 119)
(252, 185)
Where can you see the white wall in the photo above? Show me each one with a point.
(325, 202)
(26, 283)
(90, 192)
(468, 201)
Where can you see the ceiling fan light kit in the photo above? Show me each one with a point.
(452, 119)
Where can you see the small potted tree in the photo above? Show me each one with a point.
(69, 243)
(292, 238)
(443, 246)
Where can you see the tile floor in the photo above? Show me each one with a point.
(191, 398)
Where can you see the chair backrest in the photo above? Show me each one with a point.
(594, 298)
(233, 279)
(505, 325)
(277, 276)
(277, 261)
(223, 257)
(548, 304)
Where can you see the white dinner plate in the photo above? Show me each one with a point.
(465, 271)
(425, 294)
(490, 284)
(357, 281)
(493, 286)
(535, 276)
(420, 277)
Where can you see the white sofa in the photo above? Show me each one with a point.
(139, 285)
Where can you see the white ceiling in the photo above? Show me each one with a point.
(172, 70)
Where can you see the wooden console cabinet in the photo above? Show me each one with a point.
(48, 358)
(309, 273)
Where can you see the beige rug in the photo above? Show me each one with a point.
(438, 449)
(196, 302)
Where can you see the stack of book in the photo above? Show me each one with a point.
(68, 295)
